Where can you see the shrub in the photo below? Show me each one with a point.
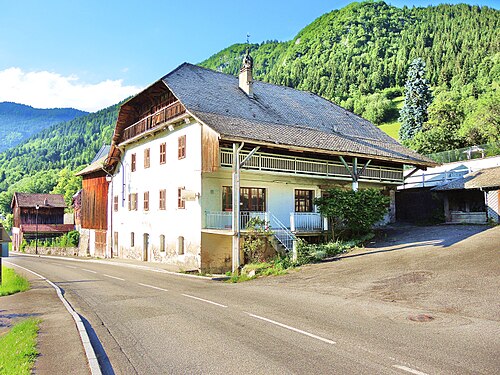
(255, 240)
(354, 211)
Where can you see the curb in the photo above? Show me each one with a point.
(89, 350)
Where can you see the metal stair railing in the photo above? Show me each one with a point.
(284, 236)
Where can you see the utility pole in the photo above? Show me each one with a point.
(236, 222)
(37, 207)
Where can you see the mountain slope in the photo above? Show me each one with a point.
(18, 122)
(34, 165)
(366, 47)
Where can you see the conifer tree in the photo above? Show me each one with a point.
(417, 99)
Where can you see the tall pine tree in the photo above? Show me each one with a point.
(417, 99)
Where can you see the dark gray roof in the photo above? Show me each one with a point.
(280, 115)
(488, 178)
(42, 200)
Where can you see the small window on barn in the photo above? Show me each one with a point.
(147, 158)
(181, 202)
(146, 201)
(162, 243)
(163, 199)
(133, 160)
(132, 239)
(163, 153)
(181, 151)
(115, 202)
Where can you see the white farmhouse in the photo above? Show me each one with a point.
(172, 170)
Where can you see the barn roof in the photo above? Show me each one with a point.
(42, 200)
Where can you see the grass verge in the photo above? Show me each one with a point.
(12, 282)
(18, 348)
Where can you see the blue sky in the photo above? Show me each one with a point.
(92, 53)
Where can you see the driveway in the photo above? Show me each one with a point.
(451, 269)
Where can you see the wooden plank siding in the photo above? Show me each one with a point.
(210, 156)
(52, 215)
(94, 202)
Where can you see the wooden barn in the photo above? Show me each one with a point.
(93, 210)
(37, 215)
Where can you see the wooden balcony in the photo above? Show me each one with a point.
(153, 121)
(295, 165)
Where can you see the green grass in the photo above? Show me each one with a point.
(18, 348)
(12, 282)
(392, 125)
(391, 129)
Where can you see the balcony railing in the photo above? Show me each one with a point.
(152, 121)
(308, 166)
(223, 219)
(299, 221)
(307, 222)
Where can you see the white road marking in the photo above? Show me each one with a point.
(292, 328)
(113, 277)
(95, 369)
(71, 267)
(410, 370)
(86, 270)
(152, 286)
(204, 300)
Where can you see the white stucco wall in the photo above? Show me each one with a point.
(171, 222)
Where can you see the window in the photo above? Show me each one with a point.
(132, 239)
(115, 202)
(180, 245)
(163, 153)
(162, 243)
(251, 199)
(132, 202)
(146, 158)
(181, 150)
(146, 201)
(163, 198)
(181, 202)
(133, 162)
(304, 200)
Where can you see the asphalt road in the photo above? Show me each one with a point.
(157, 323)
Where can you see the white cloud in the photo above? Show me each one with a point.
(51, 90)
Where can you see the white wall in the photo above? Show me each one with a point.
(172, 222)
(493, 205)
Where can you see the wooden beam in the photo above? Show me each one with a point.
(364, 167)
(347, 167)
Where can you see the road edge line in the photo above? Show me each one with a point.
(93, 363)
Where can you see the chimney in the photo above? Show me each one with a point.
(246, 75)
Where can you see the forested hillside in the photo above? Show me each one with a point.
(49, 157)
(18, 122)
(358, 57)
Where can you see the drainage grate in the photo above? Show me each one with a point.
(421, 318)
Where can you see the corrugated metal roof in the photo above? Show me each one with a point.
(488, 178)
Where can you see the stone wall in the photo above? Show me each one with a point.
(60, 251)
